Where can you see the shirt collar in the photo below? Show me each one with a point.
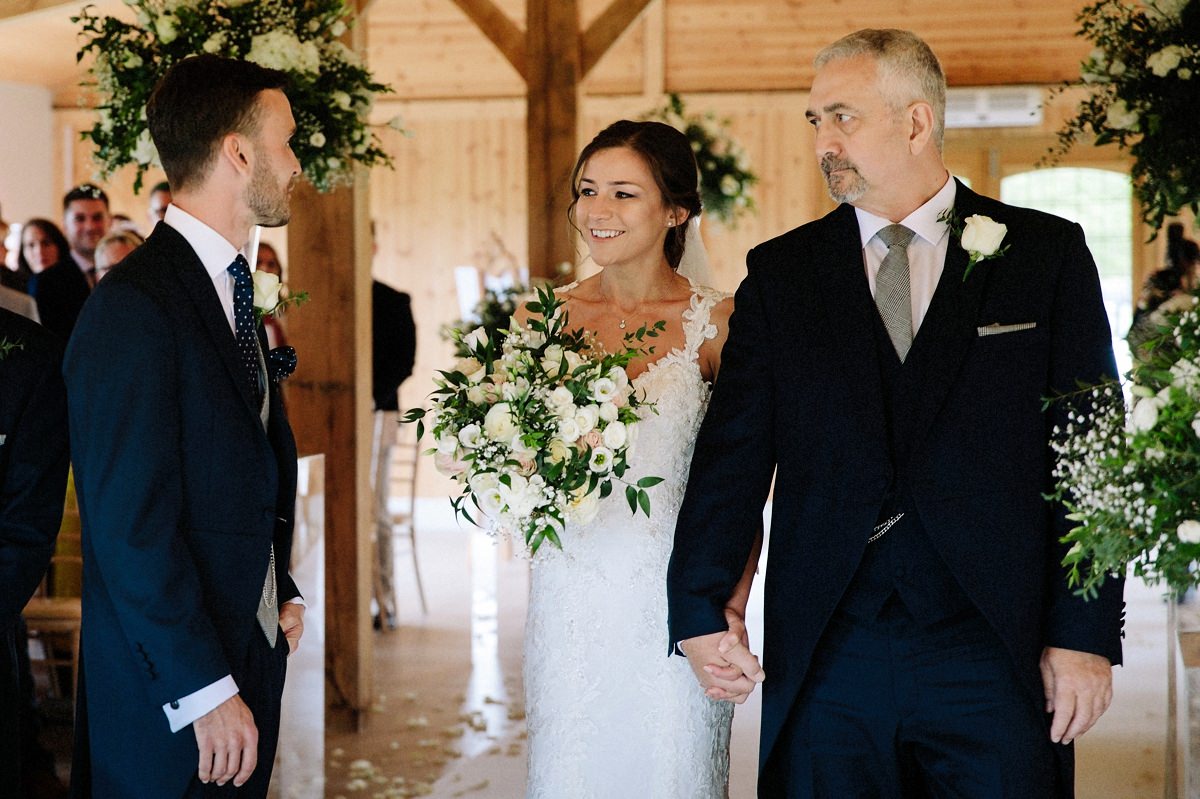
(213, 249)
(924, 221)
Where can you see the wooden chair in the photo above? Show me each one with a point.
(53, 616)
(401, 504)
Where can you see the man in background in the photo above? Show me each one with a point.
(394, 337)
(86, 220)
(160, 198)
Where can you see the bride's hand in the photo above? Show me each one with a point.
(723, 662)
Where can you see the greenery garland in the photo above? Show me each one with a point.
(1143, 83)
(331, 91)
(725, 176)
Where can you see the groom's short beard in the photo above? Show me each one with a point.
(846, 188)
(267, 202)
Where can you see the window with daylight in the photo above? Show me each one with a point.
(1101, 201)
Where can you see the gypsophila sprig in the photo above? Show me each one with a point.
(537, 423)
(725, 176)
(1130, 478)
(491, 313)
(330, 90)
(1142, 79)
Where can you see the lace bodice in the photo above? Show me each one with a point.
(598, 614)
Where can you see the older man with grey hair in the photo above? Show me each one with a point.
(920, 636)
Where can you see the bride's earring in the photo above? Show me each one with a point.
(670, 223)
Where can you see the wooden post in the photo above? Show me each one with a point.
(329, 403)
(553, 73)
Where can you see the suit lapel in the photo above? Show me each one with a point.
(199, 288)
(849, 316)
(948, 331)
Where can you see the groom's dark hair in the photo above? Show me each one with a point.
(198, 102)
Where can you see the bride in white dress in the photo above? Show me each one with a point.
(610, 714)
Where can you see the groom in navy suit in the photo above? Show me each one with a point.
(185, 465)
(920, 639)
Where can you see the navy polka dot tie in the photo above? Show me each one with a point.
(243, 320)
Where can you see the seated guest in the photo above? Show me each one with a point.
(55, 281)
(33, 480)
(113, 248)
(123, 222)
(160, 198)
(86, 220)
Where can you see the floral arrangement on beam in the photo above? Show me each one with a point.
(331, 92)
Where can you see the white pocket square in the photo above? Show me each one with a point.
(995, 328)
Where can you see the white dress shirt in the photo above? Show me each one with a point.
(216, 254)
(926, 252)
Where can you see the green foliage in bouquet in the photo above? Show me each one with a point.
(492, 313)
(725, 176)
(1130, 479)
(537, 423)
(1143, 81)
(331, 91)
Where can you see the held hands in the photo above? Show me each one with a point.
(723, 662)
(291, 621)
(228, 742)
(1078, 688)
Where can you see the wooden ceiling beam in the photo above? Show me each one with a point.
(606, 29)
(502, 31)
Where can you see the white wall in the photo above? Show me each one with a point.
(26, 153)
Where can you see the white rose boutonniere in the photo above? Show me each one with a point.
(981, 236)
(272, 297)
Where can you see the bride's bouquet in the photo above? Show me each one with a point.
(537, 423)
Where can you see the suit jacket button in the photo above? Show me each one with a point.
(174, 706)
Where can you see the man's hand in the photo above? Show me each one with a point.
(291, 621)
(723, 662)
(1078, 688)
(228, 742)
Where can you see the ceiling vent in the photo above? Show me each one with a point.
(994, 107)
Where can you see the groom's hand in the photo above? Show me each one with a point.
(1078, 688)
(723, 663)
(228, 742)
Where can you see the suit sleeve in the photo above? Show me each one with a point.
(125, 412)
(730, 475)
(34, 474)
(1081, 352)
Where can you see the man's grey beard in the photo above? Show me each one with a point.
(853, 186)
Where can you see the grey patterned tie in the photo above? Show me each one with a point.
(892, 296)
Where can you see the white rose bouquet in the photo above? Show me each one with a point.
(1131, 480)
(537, 423)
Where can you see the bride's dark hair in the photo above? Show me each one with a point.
(668, 155)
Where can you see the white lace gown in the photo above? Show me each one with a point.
(610, 714)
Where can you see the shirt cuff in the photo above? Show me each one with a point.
(183, 712)
(298, 600)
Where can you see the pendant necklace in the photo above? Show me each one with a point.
(622, 325)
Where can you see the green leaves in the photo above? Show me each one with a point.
(331, 92)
